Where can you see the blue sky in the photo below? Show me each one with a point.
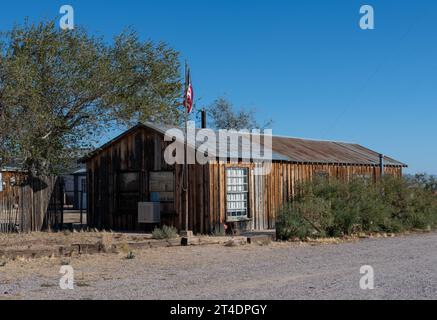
(305, 64)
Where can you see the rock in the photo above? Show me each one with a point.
(232, 243)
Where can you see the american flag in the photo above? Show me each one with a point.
(189, 94)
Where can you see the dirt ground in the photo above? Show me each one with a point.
(44, 240)
(405, 268)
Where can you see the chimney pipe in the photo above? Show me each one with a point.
(381, 164)
(203, 119)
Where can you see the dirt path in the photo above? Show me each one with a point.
(405, 267)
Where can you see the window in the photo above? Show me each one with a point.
(237, 194)
(128, 191)
(129, 182)
(83, 185)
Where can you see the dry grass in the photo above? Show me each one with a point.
(45, 240)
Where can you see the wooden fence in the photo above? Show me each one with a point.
(30, 204)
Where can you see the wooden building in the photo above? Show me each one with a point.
(131, 169)
(45, 202)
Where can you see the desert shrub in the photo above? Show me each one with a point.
(309, 216)
(412, 206)
(165, 233)
(290, 224)
(334, 208)
(130, 256)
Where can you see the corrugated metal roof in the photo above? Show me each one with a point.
(289, 149)
(314, 151)
(241, 150)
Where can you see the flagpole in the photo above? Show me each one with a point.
(186, 155)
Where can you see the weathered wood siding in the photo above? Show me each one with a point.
(200, 218)
(268, 193)
(30, 204)
(142, 151)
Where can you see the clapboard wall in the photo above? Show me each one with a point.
(269, 192)
(138, 152)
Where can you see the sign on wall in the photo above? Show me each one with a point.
(162, 186)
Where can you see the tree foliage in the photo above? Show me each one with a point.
(224, 116)
(425, 181)
(59, 90)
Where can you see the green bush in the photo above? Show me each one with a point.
(334, 208)
(130, 256)
(290, 224)
(165, 233)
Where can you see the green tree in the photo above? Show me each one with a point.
(425, 181)
(59, 90)
(224, 116)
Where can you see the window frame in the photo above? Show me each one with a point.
(83, 184)
(246, 216)
(119, 207)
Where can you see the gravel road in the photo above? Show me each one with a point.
(405, 268)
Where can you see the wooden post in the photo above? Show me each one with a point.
(381, 165)
(204, 125)
(81, 207)
(62, 193)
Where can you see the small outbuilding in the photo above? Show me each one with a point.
(129, 173)
(38, 203)
(29, 203)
